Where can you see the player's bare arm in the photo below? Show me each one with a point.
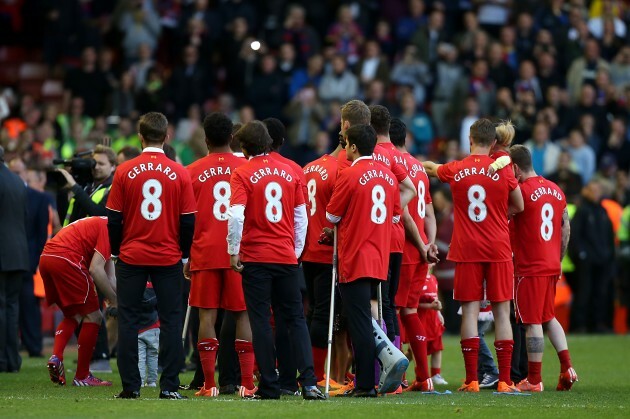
(430, 229)
(186, 270)
(516, 203)
(101, 280)
(566, 233)
(110, 270)
(412, 233)
(407, 192)
(431, 168)
(499, 164)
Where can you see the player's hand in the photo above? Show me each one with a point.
(327, 237)
(436, 305)
(235, 263)
(432, 253)
(491, 170)
(187, 270)
(70, 182)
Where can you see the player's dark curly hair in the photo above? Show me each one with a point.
(397, 132)
(380, 119)
(277, 132)
(254, 138)
(364, 137)
(152, 127)
(218, 129)
(521, 157)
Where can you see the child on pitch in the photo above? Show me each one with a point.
(433, 324)
(149, 338)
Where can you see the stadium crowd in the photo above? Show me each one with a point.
(559, 70)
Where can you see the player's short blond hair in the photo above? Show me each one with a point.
(356, 112)
(505, 133)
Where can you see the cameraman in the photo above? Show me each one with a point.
(91, 199)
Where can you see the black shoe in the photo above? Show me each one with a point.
(127, 394)
(312, 393)
(355, 392)
(287, 392)
(192, 386)
(172, 395)
(227, 389)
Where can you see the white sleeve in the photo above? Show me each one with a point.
(236, 217)
(299, 227)
(333, 218)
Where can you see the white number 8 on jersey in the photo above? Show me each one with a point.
(477, 210)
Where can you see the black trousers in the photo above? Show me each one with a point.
(275, 286)
(590, 294)
(320, 276)
(30, 317)
(519, 367)
(167, 283)
(357, 310)
(395, 261)
(10, 285)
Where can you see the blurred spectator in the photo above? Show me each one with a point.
(374, 93)
(548, 74)
(385, 39)
(126, 135)
(123, 97)
(587, 128)
(151, 96)
(301, 35)
(267, 91)
(346, 35)
(582, 154)
(412, 72)
(74, 126)
(429, 36)
(187, 126)
(592, 249)
(127, 153)
(508, 42)
(373, 65)
(311, 75)
(620, 69)
(471, 114)
(306, 115)
(233, 9)
(189, 82)
(418, 123)
(544, 152)
(493, 15)
(88, 83)
(465, 41)
(140, 69)
(525, 36)
(587, 104)
(340, 84)
(140, 24)
(410, 22)
(607, 15)
(498, 71)
(617, 146)
(481, 87)
(238, 57)
(566, 177)
(201, 26)
(448, 77)
(287, 65)
(584, 69)
(610, 42)
(62, 25)
(527, 80)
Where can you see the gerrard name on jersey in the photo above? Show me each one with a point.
(545, 191)
(142, 167)
(214, 171)
(316, 168)
(267, 171)
(372, 174)
(473, 171)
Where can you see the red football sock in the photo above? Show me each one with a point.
(208, 355)
(418, 342)
(504, 350)
(319, 362)
(87, 342)
(534, 370)
(435, 371)
(64, 332)
(563, 356)
(470, 350)
(245, 351)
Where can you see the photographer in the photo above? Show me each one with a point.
(90, 200)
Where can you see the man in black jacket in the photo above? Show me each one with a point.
(13, 262)
(592, 249)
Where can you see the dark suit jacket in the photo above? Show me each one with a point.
(37, 218)
(13, 247)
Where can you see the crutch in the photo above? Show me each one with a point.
(331, 316)
(379, 296)
(186, 319)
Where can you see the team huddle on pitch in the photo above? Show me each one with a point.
(359, 223)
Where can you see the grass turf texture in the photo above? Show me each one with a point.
(601, 363)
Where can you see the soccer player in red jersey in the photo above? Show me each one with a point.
(267, 225)
(151, 211)
(414, 269)
(365, 204)
(277, 132)
(542, 235)
(481, 247)
(72, 263)
(321, 176)
(214, 284)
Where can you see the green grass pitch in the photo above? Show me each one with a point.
(601, 363)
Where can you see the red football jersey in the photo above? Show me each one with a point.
(151, 191)
(429, 317)
(538, 229)
(480, 233)
(270, 193)
(499, 153)
(78, 241)
(366, 198)
(321, 176)
(211, 184)
(297, 169)
(342, 161)
(417, 206)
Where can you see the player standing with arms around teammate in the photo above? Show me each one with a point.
(481, 247)
(214, 284)
(365, 204)
(541, 236)
(151, 210)
(414, 269)
(267, 226)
